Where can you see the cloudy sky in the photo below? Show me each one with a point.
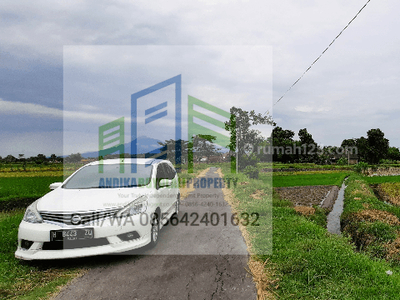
(351, 89)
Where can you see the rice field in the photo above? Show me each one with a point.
(306, 178)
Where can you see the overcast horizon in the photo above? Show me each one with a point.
(350, 90)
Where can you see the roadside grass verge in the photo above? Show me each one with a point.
(307, 262)
(19, 280)
(372, 224)
(304, 179)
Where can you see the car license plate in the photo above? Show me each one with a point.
(71, 234)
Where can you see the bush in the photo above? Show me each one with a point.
(386, 161)
(251, 172)
(342, 161)
(248, 160)
(361, 167)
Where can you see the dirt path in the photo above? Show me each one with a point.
(189, 262)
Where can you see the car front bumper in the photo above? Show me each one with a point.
(111, 235)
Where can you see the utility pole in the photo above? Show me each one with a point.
(237, 149)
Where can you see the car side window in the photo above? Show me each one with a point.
(170, 172)
(161, 174)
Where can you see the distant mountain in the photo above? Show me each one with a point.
(144, 144)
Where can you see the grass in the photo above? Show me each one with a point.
(305, 166)
(314, 178)
(17, 188)
(381, 179)
(372, 224)
(390, 192)
(20, 280)
(313, 264)
(307, 262)
(38, 170)
(359, 196)
(255, 197)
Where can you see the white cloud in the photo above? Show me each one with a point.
(17, 108)
(310, 109)
(37, 110)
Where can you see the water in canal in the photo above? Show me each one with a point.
(333, 219)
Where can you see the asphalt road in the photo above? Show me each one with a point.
(207, 261)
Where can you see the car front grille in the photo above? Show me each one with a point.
(86, 217)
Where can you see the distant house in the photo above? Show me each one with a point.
(352, 158)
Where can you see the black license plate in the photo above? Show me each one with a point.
(71, 234)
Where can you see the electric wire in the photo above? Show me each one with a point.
(348, 24)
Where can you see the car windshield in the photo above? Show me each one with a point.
(91, 177)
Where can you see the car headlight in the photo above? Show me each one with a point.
(32, 215)
(135, 207)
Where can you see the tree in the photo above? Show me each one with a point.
(282, 140)
(203, 146)
(362, 148)
(325, 154)
(349, 143)
(10, 159)
(170, 147)
(73, 158)
(378, 146)
(371, 149)
(393, 153)
(309, 147)
(40, 158)
(244, 139)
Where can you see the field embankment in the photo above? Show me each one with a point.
(372, 223)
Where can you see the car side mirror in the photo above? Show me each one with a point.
(55, 185)
(165, 183)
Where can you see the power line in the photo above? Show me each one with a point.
(323, 52)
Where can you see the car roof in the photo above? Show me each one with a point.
(138, 161)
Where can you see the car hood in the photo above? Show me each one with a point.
(73, 200)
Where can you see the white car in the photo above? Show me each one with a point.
(104, 207)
